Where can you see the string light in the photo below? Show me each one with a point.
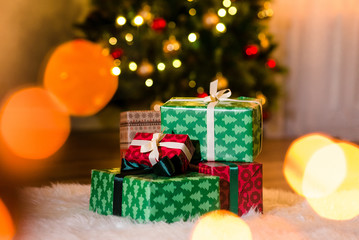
(138, 20)
(222, 12)
(192, 84)
(129, 37)
(232, 10)
(220, 27)
(121, 20)
(176, 63)
(261, 96)
(112, 40)
(117, 62)
(192, 37)
(200, 90)
(149, 82)
(132, 66)
(227, 3)
(161, 66)
(116, 71)
(192, 12)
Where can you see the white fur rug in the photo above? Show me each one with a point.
(61, 212)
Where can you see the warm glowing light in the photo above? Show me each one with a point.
(138, 20)
(129, 37)
(89, 84)
(176, 63)
(132, 66)
(220, 27)
(267, 5)
(227, 3)
(200, 90)
(222, 12)
(156, 105)
(221, 224)
(251, 50)
(121, 20)
(149, 82)
(34, 124)
(192, 84)
(298, 156)
(190, 0)
(192, 12)
(192, 37)
(117, 62)
(161, 66)
(261, 96)
(7, 227)
(232, 10)
(112, 41)
(116, 71)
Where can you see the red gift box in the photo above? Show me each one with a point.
(247, 193)
(167, 145)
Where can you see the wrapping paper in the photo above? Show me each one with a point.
(134, 153)
(248, 190)
(237, 133)
(132, 122)
(153, 198)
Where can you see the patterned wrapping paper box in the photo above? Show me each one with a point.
(132, 122)
(182, 147)
(240, 184)
(237, 126)
(153, 198)
(106, 190)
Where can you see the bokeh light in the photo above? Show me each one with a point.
(222, 12)
(176, 63)
(116, 71)
(34, 124)
(132, 66)
(221, 225)
(149, 82)
(138, 20)
(80, 76)
(161, 66)
(7, 228)
(220, 27)
(192, 37)
(121, 20)
(232, 10)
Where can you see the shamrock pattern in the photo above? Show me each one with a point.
(237, 127)
(102, 187)
(153, 198)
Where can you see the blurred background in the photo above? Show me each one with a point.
(313, 45)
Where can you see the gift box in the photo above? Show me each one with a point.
(153, 198)
(240, 184)
(226, 129)
(149, 148)
(132, 122)
(106, 190)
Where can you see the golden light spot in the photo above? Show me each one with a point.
(220, 27)
(192, 37)
(121, 20)
(192, 84)
(129, 37)
(232, 10)
(222, 12)
(227, 3)
(161, 66)
(200, 90)
(132, 66)
(149, 82)
(116, 71)
(221, 224)
(192, 12)
(176, 63)
(112, 41)
(138, 20)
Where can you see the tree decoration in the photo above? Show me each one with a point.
(117, 53)
(271, 63)
(171, 45)
(210, 19)
(145, 69)
(251, 50)
(158, 24)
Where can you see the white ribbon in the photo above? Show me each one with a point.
(213, 99)
(153, 144)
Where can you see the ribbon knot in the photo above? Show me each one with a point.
(214, 95)
(152, 145)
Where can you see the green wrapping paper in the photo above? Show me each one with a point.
(237, 126)
(153, 198)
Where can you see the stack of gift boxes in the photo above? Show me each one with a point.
(202, 160)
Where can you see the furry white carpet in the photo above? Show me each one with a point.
(61, 212)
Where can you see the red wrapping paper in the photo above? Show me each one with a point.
(250, 190)
(134, 154)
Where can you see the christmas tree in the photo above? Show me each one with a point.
(166, 48)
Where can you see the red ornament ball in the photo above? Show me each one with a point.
(251, 50)
(271, 63)
(117, 53)
(158, 24)
(202, 95)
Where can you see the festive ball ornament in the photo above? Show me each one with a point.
(171, 46)
(221, 224)
(271, 63)
(34, 124)
(145, 69)
(251, 50)
(222, 81)
(158, 24)
(210, 19)
(80, 76)
(117, 53)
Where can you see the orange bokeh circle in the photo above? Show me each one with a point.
(34, 124)
(7, 228)
(79, 74)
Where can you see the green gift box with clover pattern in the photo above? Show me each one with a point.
(153, 198)
(235, 129)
